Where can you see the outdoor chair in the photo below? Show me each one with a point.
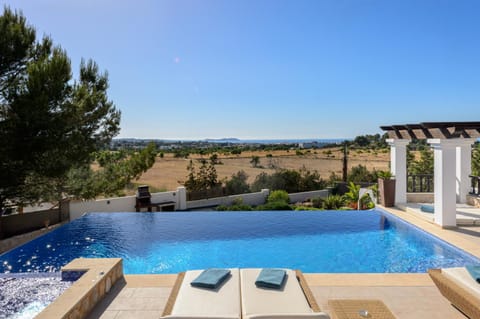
(293, 300)
(459, 288)
(186, 301)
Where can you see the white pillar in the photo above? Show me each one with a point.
(444, 156)
(398, 167)
(463, 167)
(181, 198)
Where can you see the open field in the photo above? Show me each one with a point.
(167, 173)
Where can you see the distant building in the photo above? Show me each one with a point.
(308, 145)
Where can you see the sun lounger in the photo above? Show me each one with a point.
(186, 301)
(293, 300)
(459, 288)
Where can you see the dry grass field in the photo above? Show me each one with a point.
(167, 173)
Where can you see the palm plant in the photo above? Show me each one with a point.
(384, 174)
(476, 160)
(333, 202)
(352, 196)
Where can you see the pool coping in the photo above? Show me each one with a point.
(100, 274)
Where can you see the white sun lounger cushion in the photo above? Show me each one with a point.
(272, 303)
(313, 315)
(197, 317)
(193, 302)
(461, 276)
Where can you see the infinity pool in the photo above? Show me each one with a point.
(324, 241)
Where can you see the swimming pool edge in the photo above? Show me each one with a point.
(446, 234)
(80, 299)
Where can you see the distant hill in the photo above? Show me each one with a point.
(222, 140)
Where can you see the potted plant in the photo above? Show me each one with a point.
(386, 188)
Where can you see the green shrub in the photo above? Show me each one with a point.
(317, 202)
(242, 207)
(236, 151)
(366, 202)
(476, 160)
(275, 206)
(255, 161)
(333, 202)
(237, 205)
(291, 181)
(360, 173)
(237, 184)
(278, 196)
(301, 208)
(384, 174)
(238, 201)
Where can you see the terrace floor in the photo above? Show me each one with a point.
(466, 215)
(407, 295)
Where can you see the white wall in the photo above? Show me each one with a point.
(420, 197)
(301, 197)
(254, 199)
(127, 204)
(249, 199)
(119, 204)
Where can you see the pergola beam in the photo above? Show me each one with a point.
(428, 130)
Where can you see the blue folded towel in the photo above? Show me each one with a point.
(270, 278)
(474, 272)
(427, 208)
(211, 278)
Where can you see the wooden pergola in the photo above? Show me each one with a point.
(451, 143)
(427, 130)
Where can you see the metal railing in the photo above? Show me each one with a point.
(421, 183)
(475, 185)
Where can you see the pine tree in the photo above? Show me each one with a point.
(49, 122)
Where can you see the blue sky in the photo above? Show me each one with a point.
(273, 69)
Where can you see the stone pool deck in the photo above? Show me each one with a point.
(467, 215)
(409, 296)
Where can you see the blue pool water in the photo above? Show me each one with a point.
(328, 241)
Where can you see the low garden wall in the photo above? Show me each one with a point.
(420, 197)
(12, 242)
(251, 199)
(27, 222)
(125, 204)
(304, 196)
(254, 199)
